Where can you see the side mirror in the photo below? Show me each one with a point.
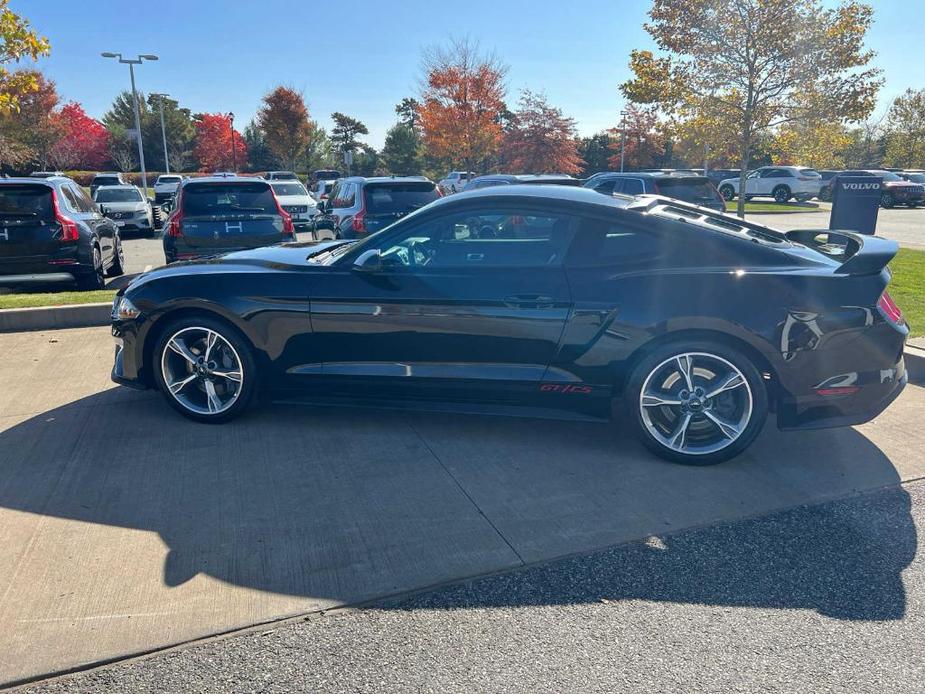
(368, 261)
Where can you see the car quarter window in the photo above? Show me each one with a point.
(345, 195)
(482, 238)
(601, 243)
(70, 198)
(84, 203)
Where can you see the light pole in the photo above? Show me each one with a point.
(131, 71)
(234, 155)
(160, 104)
(623, 140)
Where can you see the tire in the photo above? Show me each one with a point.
(781, 194)
(183, 375)
(657, 418)
(728, 193)
(886, 200)
(118, 262)
(94, 279)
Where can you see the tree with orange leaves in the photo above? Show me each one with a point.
(462, 101)
(540, 138)
(213, 142)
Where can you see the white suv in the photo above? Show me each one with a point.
(454, 182)
(778, 182)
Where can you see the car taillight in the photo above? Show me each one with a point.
(889, 309)
(359, 221)
(68, 226)
(173, 229)
(288, 227)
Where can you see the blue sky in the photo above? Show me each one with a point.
(223, 55)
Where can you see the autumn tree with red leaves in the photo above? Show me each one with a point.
(286, 127)
(540, 138)
(213, 143)
(645, 142)
(84, 141)
(462, 101)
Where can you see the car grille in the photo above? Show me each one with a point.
(296, 209)
(121, 215)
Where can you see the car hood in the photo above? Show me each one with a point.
(125, 206)
(283, 257)
(296, 200)
(901, 184)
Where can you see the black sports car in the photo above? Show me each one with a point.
(551, 296)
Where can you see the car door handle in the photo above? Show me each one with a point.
(529, 301)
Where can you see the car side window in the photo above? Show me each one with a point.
(607, 187)
(488, 238)
(84, 203)
(599, 243)
(632, 186)
(771, 173)
(345, 196)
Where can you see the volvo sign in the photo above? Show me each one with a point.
(855, 203)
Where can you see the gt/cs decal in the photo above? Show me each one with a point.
(565, 388)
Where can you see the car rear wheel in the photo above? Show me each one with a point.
(782, 194)
(95, 278)
(728, 193)
(205, 369)
(697, 404)
(118, 261)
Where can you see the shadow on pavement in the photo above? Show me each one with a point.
(353, 504)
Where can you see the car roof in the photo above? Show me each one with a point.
(387, 179)
(48, 181)
(225, 179)
(575, 194)
(107, 173)
(120, 186)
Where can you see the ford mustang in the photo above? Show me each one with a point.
(697, 323)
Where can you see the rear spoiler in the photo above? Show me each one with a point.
(860, 254)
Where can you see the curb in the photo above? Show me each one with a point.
(915, 361)
(14, 320)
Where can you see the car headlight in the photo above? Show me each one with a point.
(123, 309)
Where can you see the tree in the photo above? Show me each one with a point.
(122, 150)
(285, 124)
(32, 129)
(644, 142)
(84, 142)
(540, 139)
(905, 130)
(318, 152)
(259, 157)
(820, 144)
(756, 64)
(409, 112)
(367, 162)
(178, 127)
(346, 129)
(17, 41)
(213, 143)
(462, 102)
(595, 153)
(402, 150)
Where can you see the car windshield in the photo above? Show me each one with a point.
(106, 181)
(223, 198)
(689, 189)
(398, 198)
(118, 195)
(284, 175)
(887, 175)
(289, 189)
(916, 177)
(26, 201)
(168, 179)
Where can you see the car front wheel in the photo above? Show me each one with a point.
(205, 369)
(782, 194)
(728, 193)
(697, 404)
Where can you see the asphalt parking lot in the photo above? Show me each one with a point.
(125, 528)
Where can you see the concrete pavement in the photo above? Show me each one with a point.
(125, 528)
(823, 598)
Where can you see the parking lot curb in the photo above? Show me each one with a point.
(15, 320)
(915, 361)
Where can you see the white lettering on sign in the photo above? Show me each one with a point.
(239, 227)
(861, 186)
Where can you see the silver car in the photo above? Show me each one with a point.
(126, 206)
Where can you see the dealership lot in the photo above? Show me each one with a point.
(124, 528)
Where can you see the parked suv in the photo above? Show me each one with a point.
(126, 206)
(165, 187)
(106, 179)
(694, 189)
(360, 206)
(296, 201)
(454, 182)
(778, 182)
(215, 215)
(490, 180)
(895, 190)
(281, 176)
(50, 231)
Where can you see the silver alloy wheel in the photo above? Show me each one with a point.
(696, 403)
(201, 370)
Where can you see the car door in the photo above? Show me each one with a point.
(472, 297)
(753, 182)
(84, 209)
